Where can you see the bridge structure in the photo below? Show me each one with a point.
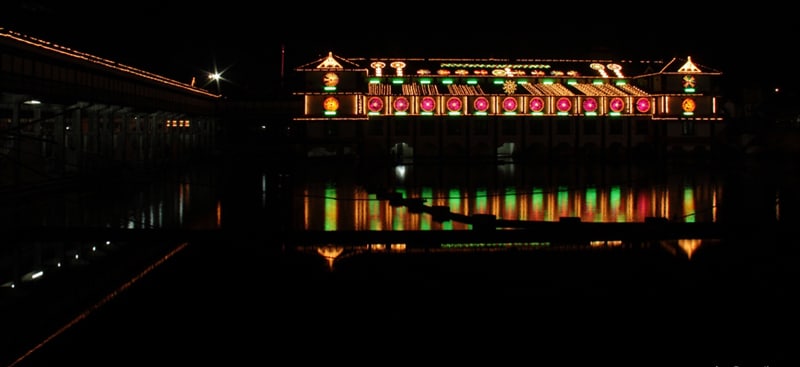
(65, 113)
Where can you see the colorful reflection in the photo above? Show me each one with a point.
(354, 208)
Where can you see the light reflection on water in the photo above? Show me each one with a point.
(343, 196)
(445, 278)
(173, 200)
(333, 197)
(608, 195)
(170, 201)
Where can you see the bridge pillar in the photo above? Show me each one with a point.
(122, 144)
(138, 152)
(13, 138)
(153, 141)
(91, 138)
(37, 132)
(78, 140)
(59, 147)
(106, 137)
(157, 137)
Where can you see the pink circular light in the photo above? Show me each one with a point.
(510, 104)
(481, 104)
(375, 104)
(643, 105)
(563, 104)
(427, 104)
(454, 104)
(616, 104)
(401, 104)
(590, 104)
(537, 104)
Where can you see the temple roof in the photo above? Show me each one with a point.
(579, 68)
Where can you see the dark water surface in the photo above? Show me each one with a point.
(251, 300)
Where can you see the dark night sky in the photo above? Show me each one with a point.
(181, 42)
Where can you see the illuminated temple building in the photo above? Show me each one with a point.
(427, 108)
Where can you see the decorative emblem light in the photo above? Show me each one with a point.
(454, 104)
(398, 66)
(427, 104)
(643, 105)
(589, 104)
(689, 81)
(330, 79)
(481, 104)
(563, 104)
(688, 105)
(401, 104)
(616, 104)
(536, 104)
(330, 104)
(378, 66)
(375, 104)
(510, 104)
(509, 86)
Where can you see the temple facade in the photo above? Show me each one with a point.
(409, 110)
